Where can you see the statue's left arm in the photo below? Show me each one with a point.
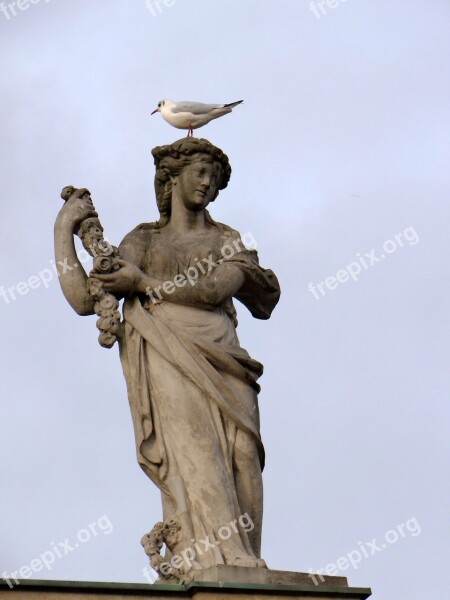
(260, 291)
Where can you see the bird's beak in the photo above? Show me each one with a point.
(156, 110)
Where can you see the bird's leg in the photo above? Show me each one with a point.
(190, 131)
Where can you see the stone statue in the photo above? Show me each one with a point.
(192, 388)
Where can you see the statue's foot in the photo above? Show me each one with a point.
(261, 563)
(247, 561)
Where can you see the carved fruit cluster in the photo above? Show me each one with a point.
(169, 534)
(106, 306)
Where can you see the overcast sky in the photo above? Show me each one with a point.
(340, 157)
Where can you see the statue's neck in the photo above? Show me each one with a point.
(182, 219)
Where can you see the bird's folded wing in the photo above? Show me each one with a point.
(196, 108)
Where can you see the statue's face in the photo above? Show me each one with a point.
(197, 183)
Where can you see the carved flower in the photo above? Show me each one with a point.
(108, 302)
(96, 231)
(109, 323)
(102, 264)
(89, 228)
(107, 340)
(106, 306)
(172, 533)
(94, 287)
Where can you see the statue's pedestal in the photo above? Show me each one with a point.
(297, 586)
(267, 577)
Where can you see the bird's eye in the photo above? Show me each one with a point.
(159, 104)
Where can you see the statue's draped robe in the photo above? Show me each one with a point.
(191, 387)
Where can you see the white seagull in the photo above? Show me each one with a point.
(192, 115)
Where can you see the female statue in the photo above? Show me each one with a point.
(192, 389)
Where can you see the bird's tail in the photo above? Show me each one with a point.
(232, 104)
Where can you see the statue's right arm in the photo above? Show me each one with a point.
(72, 277)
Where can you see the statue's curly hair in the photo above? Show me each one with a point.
(170, 160)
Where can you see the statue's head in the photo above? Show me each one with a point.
(170, 161)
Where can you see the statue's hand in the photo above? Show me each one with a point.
(77, 208)
(128, 278)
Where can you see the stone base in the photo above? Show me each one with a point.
(277, 586)
(229, 574)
